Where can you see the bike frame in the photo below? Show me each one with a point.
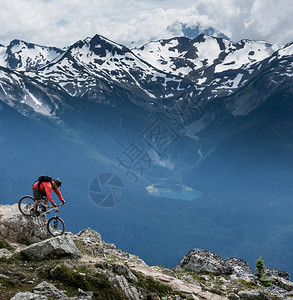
(51, 208)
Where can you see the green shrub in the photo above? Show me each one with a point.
(4, 244)
(97, 283)
(100, 266)
(260, 267)
(266, 282)
(24, 241)
(70, 277)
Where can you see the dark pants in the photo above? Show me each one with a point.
(38, 195)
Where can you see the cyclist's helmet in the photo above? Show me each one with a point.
(57, 181)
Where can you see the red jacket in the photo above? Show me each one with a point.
(47, 188)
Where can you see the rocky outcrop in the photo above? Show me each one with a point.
(200, 260)
(49, 290)
(60, 246)
(274, 273)
(122, 269)
(90, 241)
(90, 235)
(18, 228)
(281, 278)
(97, 263)
(284, 284)
(203, 261)
(240, 269)
(129, 291)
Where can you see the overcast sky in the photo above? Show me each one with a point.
(62, 22)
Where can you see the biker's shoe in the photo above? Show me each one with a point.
(44, 208)
(34, 212)
(55, 224)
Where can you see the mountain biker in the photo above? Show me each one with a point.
(44, 189)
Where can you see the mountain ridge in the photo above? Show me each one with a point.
(128, 71)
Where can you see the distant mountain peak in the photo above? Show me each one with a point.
(99, 45)
(192, 31)
(23, 56)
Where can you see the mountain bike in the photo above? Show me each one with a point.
(55, 225)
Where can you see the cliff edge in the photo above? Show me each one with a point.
(83, 266)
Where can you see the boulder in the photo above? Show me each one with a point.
(252, 294)
(91, 241)
(49, 290)
(16, 227)
(274, 273)
(122, 269)
(240, 269)
(90, 235)
(284, 284)
(4, 253)
(129, 291)
(86, 294)
(276, 291)
(58, 246)
(200, 260)
(281, 278)
(28, 296)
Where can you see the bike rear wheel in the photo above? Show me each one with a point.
(56, 226)
(25, 204)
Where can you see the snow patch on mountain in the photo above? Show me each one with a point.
(22, 56)
(286, 51)
(245, 53)
(207, 50)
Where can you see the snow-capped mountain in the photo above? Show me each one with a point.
(217, 66)
(23, 56)
(194, 58)
(152, 76)
(95, 66)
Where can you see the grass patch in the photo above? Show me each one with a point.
(152, 286)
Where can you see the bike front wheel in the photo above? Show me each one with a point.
(56, 226)
(25, 204)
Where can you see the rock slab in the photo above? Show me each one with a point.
(59, 246)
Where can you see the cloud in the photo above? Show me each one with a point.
(159, 23)
(270, 20)
(63, 22)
